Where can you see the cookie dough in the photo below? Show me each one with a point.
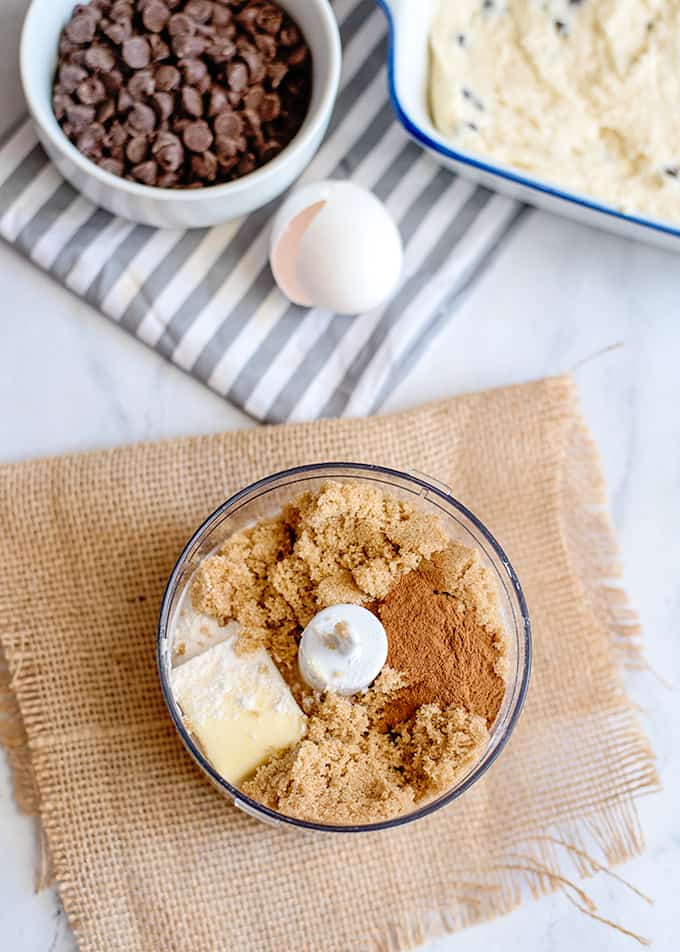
(584, 94)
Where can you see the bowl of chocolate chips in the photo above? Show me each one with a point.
(180, 113)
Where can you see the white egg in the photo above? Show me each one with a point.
(334, 246)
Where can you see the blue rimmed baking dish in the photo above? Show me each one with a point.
(408, 66)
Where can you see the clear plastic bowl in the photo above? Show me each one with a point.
(265, 498)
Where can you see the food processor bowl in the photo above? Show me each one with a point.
(265, 498)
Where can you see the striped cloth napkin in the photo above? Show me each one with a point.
(205, 298)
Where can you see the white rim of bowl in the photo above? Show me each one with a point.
(332, 50)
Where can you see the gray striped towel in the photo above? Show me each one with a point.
(205, 298)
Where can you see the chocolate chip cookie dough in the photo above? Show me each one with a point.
(580, 93)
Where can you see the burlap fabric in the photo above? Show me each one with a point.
(147, 855)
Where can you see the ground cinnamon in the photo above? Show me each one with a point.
(445, 636)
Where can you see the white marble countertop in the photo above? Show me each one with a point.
(559, 292)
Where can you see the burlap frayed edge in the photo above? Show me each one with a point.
(13, 739)
(591, 843)
(591, 544)
(541, 865)
(572, 849)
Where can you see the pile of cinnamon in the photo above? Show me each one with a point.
(445, 637)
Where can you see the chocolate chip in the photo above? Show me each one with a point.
(124, 101)
(192, 101)
(197, 136)
(80, 115)
(114, 166)
(165, 105)
(88, 143)
(222, 16)
(218, 101)
(179, 124)
(113, 80)
(116, 136)
(266, 45)
(136, 149)
(227, 164)
(141, 84)
(475, 100)
(271, 148)
(81, 29)
(228, 124)
(289, 36)
(167, 180)
(237, 76)
(199, 10)
(88, 10)
(181, 25)
(256, 67)
(121, 12)
(159, 48)
(70, 77)
(204, 166)
(222, 50)
(146, 173)
(100, 58)
(276, 72)
(248, 17)
(60, 102)
(118, 32)
(229, 31)
(254, 97)
(252, 122)
(168, 151)
(297, 56)
(106, 110)
(66, 48)
(270, 107)
(247, 164)
(136, 52)
(193, 71)
(91, 91)
(142, 118)
(167, 78)
(226, 147)
(155, 15)
(186, 45)
(270, 18)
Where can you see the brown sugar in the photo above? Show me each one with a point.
(425, 720)
(347, 542)
(348, 770)
(444, 634)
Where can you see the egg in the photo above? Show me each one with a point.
(334, 246)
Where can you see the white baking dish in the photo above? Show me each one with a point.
(409, 23)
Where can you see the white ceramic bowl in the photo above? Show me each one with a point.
(179, 208)
(409, 23)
